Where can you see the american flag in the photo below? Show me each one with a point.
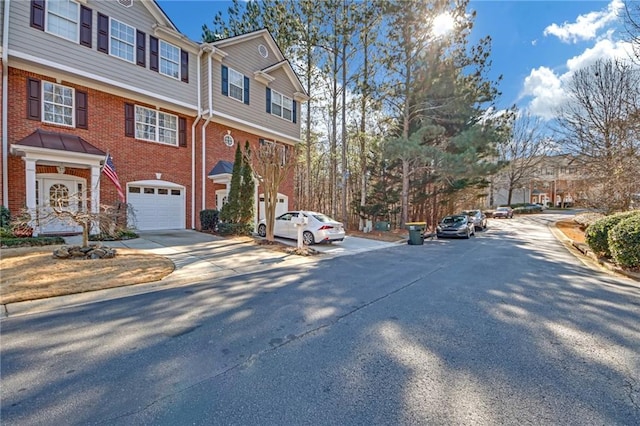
(110, 170)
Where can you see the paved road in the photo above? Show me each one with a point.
(504, 328)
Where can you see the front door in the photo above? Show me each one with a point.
(64, 192)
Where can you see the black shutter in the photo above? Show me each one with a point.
(86, 23)
(184, 66)
(103, 33)
(294, 110)
(37, 14)
(182, 131)
(268, 101)
(153, 54)
(33, 99)
(246, 90)
(81, 110)
(129, 120)
(225, 81)
(141, 48)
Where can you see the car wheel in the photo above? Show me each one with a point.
(307, 237)
(262, 230)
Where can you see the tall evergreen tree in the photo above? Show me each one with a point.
(230, 212)
(247, 188)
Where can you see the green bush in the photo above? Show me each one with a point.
(597, 234)
(120, 234)
(235, 228)
(209, 219)
(30, 241)
(5, 217)
(624, 242)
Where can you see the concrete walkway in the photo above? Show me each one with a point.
(197, 257)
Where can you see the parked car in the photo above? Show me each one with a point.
(478, 217)
(458, 225)
(319, 228)
(503, 212)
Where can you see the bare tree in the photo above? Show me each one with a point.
(105, 220)
(599, 123)
(632, 24)
(522, 152)
(271, 164)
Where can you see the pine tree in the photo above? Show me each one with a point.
(230, 212)
(247, 189)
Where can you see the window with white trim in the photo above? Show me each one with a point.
(156, 126)
(236, 85)
(57, 104)
(281, 106)
(169, 60)
(63, 18)
(122, 40)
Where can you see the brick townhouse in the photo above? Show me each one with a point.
(85, 78)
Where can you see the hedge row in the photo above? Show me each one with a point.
(617, 237)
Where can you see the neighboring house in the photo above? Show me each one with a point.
(84, 78)
(556, 181)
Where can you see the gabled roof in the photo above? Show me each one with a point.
(59, 141)
(263, 33)
(281, 61)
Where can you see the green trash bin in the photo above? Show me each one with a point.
(416, 234)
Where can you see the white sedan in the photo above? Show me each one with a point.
(319, 228)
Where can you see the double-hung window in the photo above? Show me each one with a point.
(122, 40)
(62, 19)
(156, 126)
(57, 104)
(281, 106)
(169, 60)
(236, 85)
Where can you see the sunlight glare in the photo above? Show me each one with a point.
(443, 24)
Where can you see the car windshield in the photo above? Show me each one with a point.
(450, 220)
(503, 208)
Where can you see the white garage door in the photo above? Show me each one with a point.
(282, 205)
(157, 207)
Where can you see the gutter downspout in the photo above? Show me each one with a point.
(193, 149)
(204, 133)
(5, 104)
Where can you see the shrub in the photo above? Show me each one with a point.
(235, 228)
(597, 234)
(209, 219)
(31, 241)
(624, 242)
(5, 217)
(120, 234)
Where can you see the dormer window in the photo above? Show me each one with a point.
(281, 106)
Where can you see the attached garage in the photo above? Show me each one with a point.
(157, 205)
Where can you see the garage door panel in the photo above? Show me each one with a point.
(157, 208)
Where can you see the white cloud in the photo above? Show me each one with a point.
(603, 49)
(586, 26)
(545, 87)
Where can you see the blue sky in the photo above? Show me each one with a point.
(536, 44)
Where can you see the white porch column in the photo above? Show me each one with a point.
(30, 181)
(95, 189)
(256, 205)
(30, 178)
